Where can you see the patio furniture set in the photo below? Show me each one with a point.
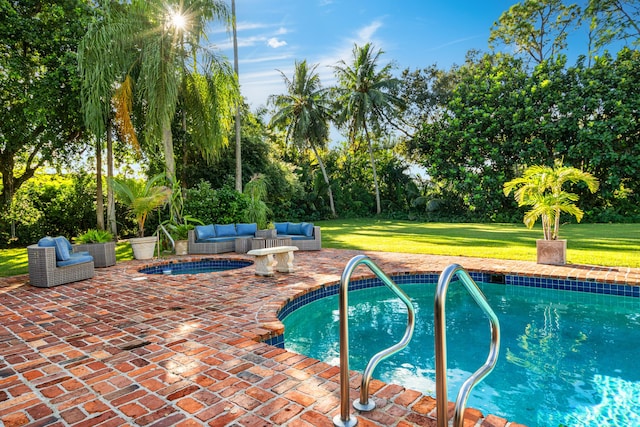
(55, 261)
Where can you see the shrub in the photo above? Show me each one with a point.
(221, 206)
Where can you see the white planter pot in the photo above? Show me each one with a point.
(552, 252)
(182, 247)
(143, 247)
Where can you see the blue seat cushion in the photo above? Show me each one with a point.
(218, 239)
(75, 259)
(246, 229)
(205, 232)
(300, 237)
(226, 230)
(281, 227)
(294, 228)
(307, 229)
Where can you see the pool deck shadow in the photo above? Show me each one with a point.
(128, 349)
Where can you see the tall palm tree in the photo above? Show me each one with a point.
(237, 121)
(364, 98)
(154, 50)
(304, 111)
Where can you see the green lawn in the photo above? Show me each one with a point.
(594, 244)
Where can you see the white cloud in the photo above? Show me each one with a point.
(365, 34)
(266, 59)
(275, 43)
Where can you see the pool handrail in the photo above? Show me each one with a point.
(344, 419)
(441, 345)
(166, 233)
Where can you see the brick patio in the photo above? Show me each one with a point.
(124, 349)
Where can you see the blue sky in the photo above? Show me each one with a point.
(273, 34)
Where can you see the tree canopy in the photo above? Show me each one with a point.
(39, 87)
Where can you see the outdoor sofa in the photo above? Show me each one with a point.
(53, 262)
(217, 238)
(304, 235)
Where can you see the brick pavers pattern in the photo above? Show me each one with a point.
(126, 349)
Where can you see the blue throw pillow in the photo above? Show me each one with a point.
(62, 250)
(281, 227)
(205, 232)
(294, 228)
(307, 229)
(246, 229)
(227, 230)
(68, 243)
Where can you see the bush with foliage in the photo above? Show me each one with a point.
(50, 205)
(94, 236)
(221, 206)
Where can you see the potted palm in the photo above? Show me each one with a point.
(180, 232)
(541, 188)
(142, 198)
(100, 244)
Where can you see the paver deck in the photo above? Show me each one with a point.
(127, 349)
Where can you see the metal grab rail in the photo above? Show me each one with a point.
(344, 419)
(441, 345)
(173, 244)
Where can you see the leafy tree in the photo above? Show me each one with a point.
(614, 20)
(424, 93)
(39, 87)
(51, 205)
(537, 28)
(144, 51)
(304, 111)
(473, 147)
(604, 102)
(365, 100)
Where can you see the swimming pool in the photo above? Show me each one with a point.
(566, 358)
(195, 267)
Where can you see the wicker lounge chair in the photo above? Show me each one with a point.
(44, 272)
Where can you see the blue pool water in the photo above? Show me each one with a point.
(196, 267)
(566, 358)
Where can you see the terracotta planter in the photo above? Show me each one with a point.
(552, 252)
(143, 247)
(182, 247)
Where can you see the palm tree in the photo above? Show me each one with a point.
(541, 188)
(237, 121)
(304, 111)
(142, 197)
(364, 98)
(154, 51)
